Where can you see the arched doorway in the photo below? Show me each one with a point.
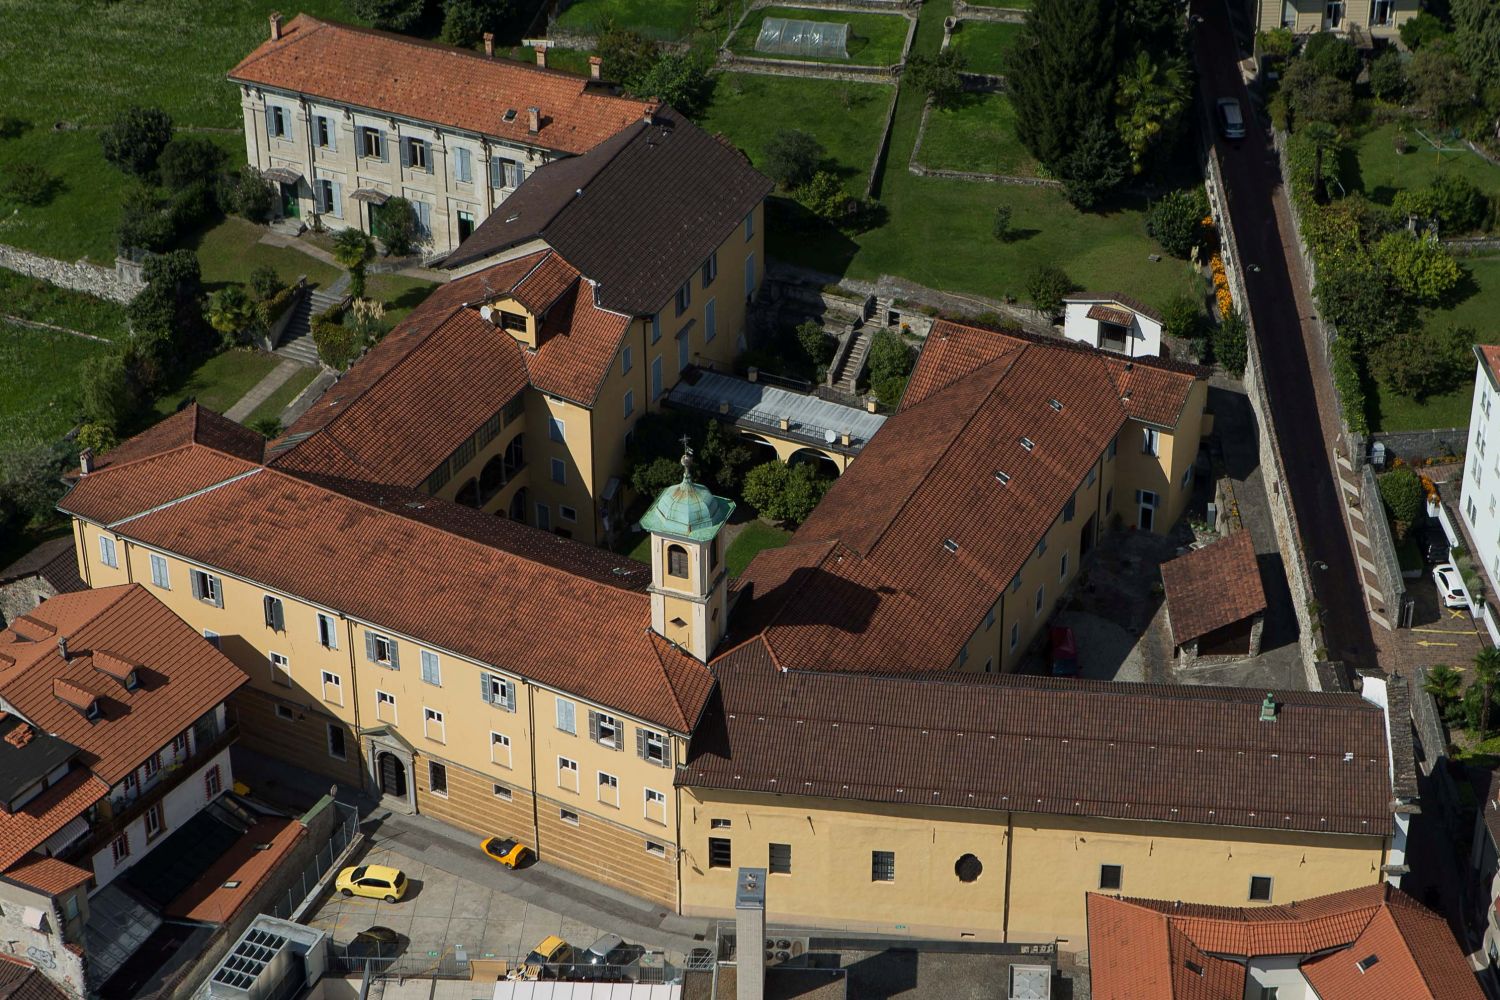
(518, 506)
(491, 479)
(822, 463)
(392, 772)
(763, 450)
(468, 494)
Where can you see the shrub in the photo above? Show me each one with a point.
(1358, 298)
(109, 394)
(890, 389)
(937, 76)
(1461, 206)
(1349, 382)
(628, 55)
(169, 307)
(30, 480)
(890, 356)
(652, 476)
(466, 21)
(29, 184)
(1277, 43)
(399, 228)
(1332, 55)
(192, 206)
(724, 457)
(338, 345)
(1182, 318)
(366, 318)
(823, 196)
(190, 159)
(268, 427)
(816, 344)
(1404, 499)
(1316, 96)
(1176, 221)
(1388, 76)
(98, 438)
(265, 282)
(1440, 87)
(136, 138)
(1046, 286)
(249, 195)
(679, 79)
(1421, 268)
(145, 222)
(791, 157)
(1425, 361)
(232, 312)
(1421, 30)
(391, 15)
(784, 493)
(1231, 343)
(271, 310)
(1095, 167)
(1000, 227)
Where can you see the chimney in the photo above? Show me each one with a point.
(650, 115)
(19, 736)
(534, 115)
(489, 44)
(750, 934)
(596, 67)
(86, 461)
(541, 54)
(276, 27)
(62, 647)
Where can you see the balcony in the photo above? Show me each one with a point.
(112, 817)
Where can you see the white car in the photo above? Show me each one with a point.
(1450, 586)
(1231, 120)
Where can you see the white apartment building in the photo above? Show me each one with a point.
(1480, 499)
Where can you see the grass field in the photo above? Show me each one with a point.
(42, 401)
(979, 135)
(568, 60)
(1379, 171)
(400, 294)
(34, 299)
(985, 45)
(217, 383)
(1451, 409)
(844, 117)
(874, 39)
(232, 249)
(754, 537)
(665, 20)
(80, 220)
(278, 400)
(1012, 4)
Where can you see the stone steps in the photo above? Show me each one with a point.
(297, 343)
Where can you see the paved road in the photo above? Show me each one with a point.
(1295, 376)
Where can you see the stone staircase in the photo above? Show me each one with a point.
(297, 343)
(846, 378)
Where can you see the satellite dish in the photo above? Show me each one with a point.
(830, 436)
(486, 312)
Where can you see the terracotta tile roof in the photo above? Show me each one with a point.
(545, 284)
(1489, 359)
(155, 479)
(22, 981)
(1136, 944)
(408, 562)
(1045, 745)
(193, 424)
(1212, 587)
(54, 561)
(1111, 314)
(926, 538)
(23, 831)
(208, 900)
(182, 676)
(425, 82)
(655, 201)
(48, 875)
(1129, 302)
(579, 343)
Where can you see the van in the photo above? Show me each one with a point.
(1231, 120)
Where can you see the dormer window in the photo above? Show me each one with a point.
(512, 322)
(132, 681)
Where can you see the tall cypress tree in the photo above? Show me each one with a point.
(1062, 77)
(1476, 33)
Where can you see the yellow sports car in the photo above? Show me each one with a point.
(509, 852)
(374, 881)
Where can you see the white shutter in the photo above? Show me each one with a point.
(333, 134)
(270, 122)
(405, 152)
(338, 200)
(291, 127)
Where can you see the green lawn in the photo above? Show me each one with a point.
(844, 117)
(278, 400)
(400, 294)
(232, 249)
(754, 537)
(874, 39)
(980, 136)
(1012, 4)
(939, 232)
(1451, 409)
(568, 60)
(666, 20)
(1379, 171)
(42, 401)
(985, 45)
(80, 219)
(217, 383)
(35, 299)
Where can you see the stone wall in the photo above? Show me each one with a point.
(118, 285)
(1414, 446)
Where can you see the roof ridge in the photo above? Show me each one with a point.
(540, 229)
(653, 639)
(255, 467)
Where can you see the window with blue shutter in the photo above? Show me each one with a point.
(274, 613)
(461, 171)
(424, 216)
(381, 651)
(328, 635)
(432, 671)
(710, 320)
(566, 716)
(497, 691)
(107, 551)
(159, 575)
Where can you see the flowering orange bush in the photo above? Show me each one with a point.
(1222, 295)
(1429, 488)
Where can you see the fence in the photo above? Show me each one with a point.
(308, 882)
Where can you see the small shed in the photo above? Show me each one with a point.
(46, 571)
(1216, 604)
(1113, 322)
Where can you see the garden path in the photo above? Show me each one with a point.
(262, 389)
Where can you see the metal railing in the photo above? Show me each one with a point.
(307, 881)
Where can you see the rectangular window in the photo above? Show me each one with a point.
(568, 816)
(154, 821)
(506, 173)
(710, 320)
(656, 378)
(1150, 441)
(500, 749)
(432, 670)
(656, 806)
(684, 349)
(152, 766)
(567, 774)
(1062, 571)
(1109, 500)
(502, 793)
(710, 268)
(1260, 888)
(566, 716)
(274, 613)
(609, 789)
(655, 327)
(749, 276)
(659, 850)
(604, 729)
(207, 588)
(497, 691)
(1041, 597)
(336, 748)
(882, 866)
(544, 517)
(567, 513)
(281, 670)
(107, 553)
(989, 620)
(159, 575)
(651, 746)
(720, 854)
(719, 824)
(370, 143)
(180, 744)
(385, 706)
(1041, 547)
(626, 363)
(1111, 877)
(432, 725)
(556, 430)
(323, 196)
(462, 167)
(328, 633)
(684, 297)
(381, 650)
(750, 225)
(437, 778)
(324, 132)
(285, 713)
(418, 157)
(1089, 479)
(559, 471)
(120, 848)
(629, 402)
(1015, 635)
(333, 688)
(213, 781)
(278, 122)
(780, 862)
(1070, 509)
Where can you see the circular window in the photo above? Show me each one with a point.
(967, 868)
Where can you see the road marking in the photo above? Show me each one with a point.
(1449, 631)
(1427, 642)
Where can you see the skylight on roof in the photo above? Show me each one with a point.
(1193, 967)
(1027, 443)
(1055, 404)
(1365, 963)
(1002, 477)
(510, 114)
(950, 545)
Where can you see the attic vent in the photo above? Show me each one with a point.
(1193, 967)
(513, 217)
(510, 114)
(1055, 404)
(950, 545)
(1003, 478)
(1365, 963)
(1028, 444)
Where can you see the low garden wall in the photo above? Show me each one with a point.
(975, 12)
(1415, 447)
(118, 285)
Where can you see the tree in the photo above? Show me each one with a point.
(649, 478)
(1151, 98)
(1332, 55)
(1402, 492)
(30, 479)
(466, 21)
(1486, 674)
(136, 138)
(676, 78)
(1443, 683)
(169, 308)
(724, 457)
(249, 195)
(1426, 360)
(1315, 96)
(232, 312)
(790, 157)
(1062, 76)
(1176, 221)
(190, 159)
(1476, 37)
(1460, 205)
(1095, 166)
(1182, 319)
(1231, 340)
(1420, 267)
(784, 493)
(145, 222)
(890, 355)
(816, 344)
(1388, 76)
(353, 250)
(391, 15)
(29, 183)
(890, 389)
(937, 76)
(265, 282)
(1426, 28)
(1360, 300)
(627, 56)
(1440, 86)
(400, 231)
(97, 438)
(1046, 286)
(823, 196)
(1001, 225)
(110, 398)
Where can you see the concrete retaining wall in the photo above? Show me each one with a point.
(118, 285)
(1414, 446)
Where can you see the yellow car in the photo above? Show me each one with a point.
(547, 959)
(509, 852)
(374, 881)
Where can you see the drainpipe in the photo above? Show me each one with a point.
(411, 789)
(1010, 840)
(536, 823)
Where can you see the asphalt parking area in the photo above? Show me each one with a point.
(444, 913)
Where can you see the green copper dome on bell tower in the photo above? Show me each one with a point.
(687, 510)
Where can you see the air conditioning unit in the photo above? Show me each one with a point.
(1030, 982)
(784, 949)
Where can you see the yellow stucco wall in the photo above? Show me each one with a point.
(1035, 873)
(1312, 15)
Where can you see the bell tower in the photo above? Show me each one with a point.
(688, 576)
